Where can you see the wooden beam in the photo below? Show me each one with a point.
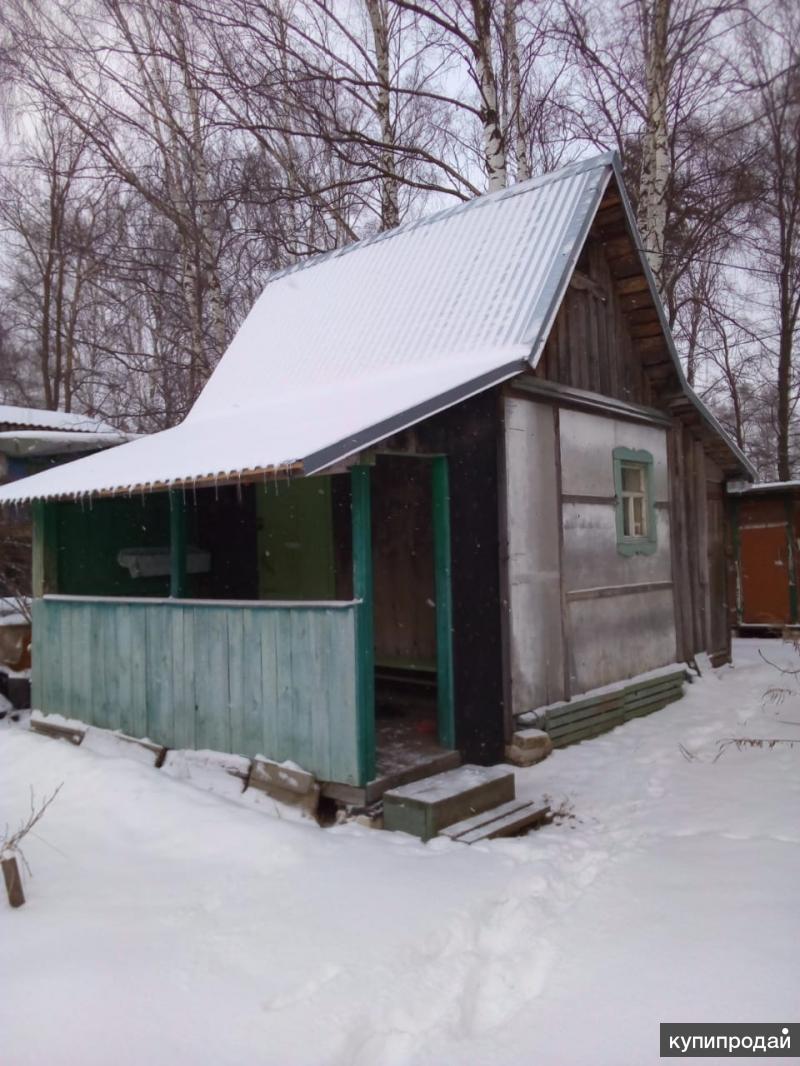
(651, 344)
(611, 215)
(443, 592)
(625, 266)
(618, 248)
(646, 329)
(635, 301)
(641, 315)
(45, 548)
(584, 283)
(627, 286)
(604, 591)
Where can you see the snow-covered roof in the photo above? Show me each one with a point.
(12, 417)
(737, 489)
(22, 443)
(345, 349)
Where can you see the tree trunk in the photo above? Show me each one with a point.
(652, 215)
(522, 166)
(493, 141)
(390, 210)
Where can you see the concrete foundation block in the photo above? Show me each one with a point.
(528, 746)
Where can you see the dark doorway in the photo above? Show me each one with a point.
(405, 613)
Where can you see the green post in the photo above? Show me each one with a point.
(444, 602)
(365, 644)
(177, 545)
(44, 576)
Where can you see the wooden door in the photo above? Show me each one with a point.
(764, 570)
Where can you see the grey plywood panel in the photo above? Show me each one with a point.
(536, 651)
(587, 446)
(591, 558)
(621, 636)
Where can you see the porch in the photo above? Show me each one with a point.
(336, 652)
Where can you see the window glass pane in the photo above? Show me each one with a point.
(627, 524)
(632, 479)
(638, 516)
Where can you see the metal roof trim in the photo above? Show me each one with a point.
(557, 282)
(342, 450)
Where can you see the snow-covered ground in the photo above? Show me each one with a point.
(168, 925)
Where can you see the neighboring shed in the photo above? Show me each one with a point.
(765, 545)
(32, 440)
(444, 479)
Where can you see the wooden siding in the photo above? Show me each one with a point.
(698, 548)
(591, 345)
(277, 680)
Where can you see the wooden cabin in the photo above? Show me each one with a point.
(443, 479)
(764, 533)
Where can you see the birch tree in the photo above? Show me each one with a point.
(656, 78)
(773, 52)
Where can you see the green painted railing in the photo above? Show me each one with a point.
(251, 678)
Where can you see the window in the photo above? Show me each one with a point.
(636, 523)
(634, 500)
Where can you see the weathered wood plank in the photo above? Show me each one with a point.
(252, 720)
(248, 678)
(160, 720)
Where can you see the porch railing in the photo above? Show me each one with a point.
(278, 679)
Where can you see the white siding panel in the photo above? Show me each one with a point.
(621, 636)
(587, 445)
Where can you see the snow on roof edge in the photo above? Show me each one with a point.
(19, 492)
(43, 418)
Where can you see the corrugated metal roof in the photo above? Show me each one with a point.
(346, 348)
(342, 350)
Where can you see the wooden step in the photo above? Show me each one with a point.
(502, 821)
(426, 807)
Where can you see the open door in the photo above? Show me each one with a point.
(411, 612)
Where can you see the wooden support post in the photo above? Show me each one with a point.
(45, 548)
(445, 685)
(177, 544)
(365, 641)
(11, 875)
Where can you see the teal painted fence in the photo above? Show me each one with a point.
(261, 678)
